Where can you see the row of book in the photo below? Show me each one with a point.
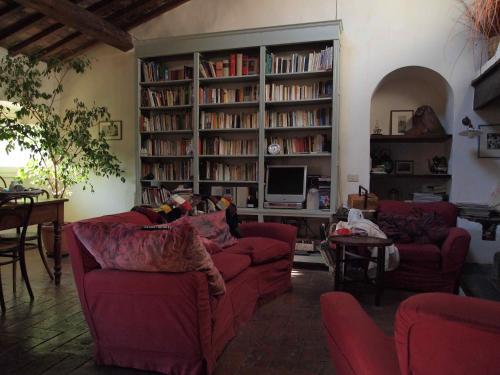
(173, 171)
(159, 71)
(225, 120)
(154, 196)
(165, 147)
(160, 122)
(166, 97)
(228, 147)
(228, 172)
(238, 64)
(300, 62)
(209, 95)
(299, 145)
(280, 91)
(299, 118)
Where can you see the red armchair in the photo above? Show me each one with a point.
(435, 334)
(428, 267)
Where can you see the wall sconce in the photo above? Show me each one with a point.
(469, 131)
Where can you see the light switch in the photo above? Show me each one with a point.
(352, 178)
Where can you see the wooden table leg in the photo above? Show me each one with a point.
(57, 252)
(339, 250)
(380, 274)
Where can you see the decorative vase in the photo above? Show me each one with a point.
(493, 45)
(48, 239)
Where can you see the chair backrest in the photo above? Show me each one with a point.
(15, 212)
(437, 333)
(3, 181)
(447, 211)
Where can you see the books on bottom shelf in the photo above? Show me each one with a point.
(237, 194)
(427, 197)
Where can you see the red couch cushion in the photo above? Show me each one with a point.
(127, 247)
(260, 249)
(231, 265)
(420, 253)
(214, 227)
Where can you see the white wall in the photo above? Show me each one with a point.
(379, 36)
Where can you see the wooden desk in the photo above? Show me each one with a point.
(46, 211)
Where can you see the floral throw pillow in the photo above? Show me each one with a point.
(176, 248)
(214, 227)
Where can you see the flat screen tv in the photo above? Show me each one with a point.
(286, 183)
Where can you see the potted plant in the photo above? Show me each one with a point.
(65, 149)
(483, 17)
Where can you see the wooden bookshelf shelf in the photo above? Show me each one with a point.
(410, 139)
(299, 102)
(299, 128)
(166, 156)
(227, 182)
(230, 79)
(228, 156)
(166, 108)
(301, 75)
(311, 155)
(230, 105)
(177, 82)
(167, 132)
(229, 130)
(421, 175)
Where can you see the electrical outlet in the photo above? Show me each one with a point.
(352, 178)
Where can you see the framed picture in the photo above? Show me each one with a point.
(489, 141)
(400, 121)
(112, 130)
(404, 167)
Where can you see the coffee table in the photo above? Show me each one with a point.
(340, 250)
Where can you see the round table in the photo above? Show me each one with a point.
(343, 242)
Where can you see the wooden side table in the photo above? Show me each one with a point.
(339, 250)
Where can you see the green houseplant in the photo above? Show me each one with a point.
(64, 146)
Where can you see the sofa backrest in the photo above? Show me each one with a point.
(447, 211)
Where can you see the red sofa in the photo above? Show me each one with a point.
(168, 322)
(428, 267)
(435, 334)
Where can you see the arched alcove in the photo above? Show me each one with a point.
(408, 88)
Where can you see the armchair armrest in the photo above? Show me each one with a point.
(460, 334)
(277, 231)
(357, 346)
(455, 249)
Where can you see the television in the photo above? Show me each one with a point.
(286, 183)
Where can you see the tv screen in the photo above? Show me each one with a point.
(286, 180)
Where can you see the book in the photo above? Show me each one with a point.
(232, 64)
(239, 64)
(242, 193)
(244, 69)
(225, 68)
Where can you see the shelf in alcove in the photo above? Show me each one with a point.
(410, 139)
(423, 175)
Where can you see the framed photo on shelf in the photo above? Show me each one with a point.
(399, 122)
(404, 167)
(112, 130)
(489, 141)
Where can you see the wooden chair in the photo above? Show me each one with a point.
(30, 238)
(13, 251)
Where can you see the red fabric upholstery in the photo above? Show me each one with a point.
(231, 265)
(261, 249)
(168, 322)
(419, 267)
(435, 334)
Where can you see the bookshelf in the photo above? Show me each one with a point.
(208, 106)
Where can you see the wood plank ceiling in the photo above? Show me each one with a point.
(49, 35)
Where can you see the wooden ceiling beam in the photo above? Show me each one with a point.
(19, 47)
(82, 20)
(19, 25)
(8, 8)
(154, 13)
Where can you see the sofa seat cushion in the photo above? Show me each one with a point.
(424, 254)
(260, 249)
(231, 265)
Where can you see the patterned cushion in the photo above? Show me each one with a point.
(214, 227)
(128, 247)
(211, 246)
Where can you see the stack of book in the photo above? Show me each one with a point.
(280, 91)
(158, 122)
(237, 64)
(225, 120)
(299, 62)
(228, 172)
(299, 118)
(166, 97)
(297, 145)
(228, 147)
(165, 147)
(159, 71)
(209, 95)
(475, 209)
(427, 197)
(173, 171)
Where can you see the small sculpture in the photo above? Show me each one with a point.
(438, 165)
